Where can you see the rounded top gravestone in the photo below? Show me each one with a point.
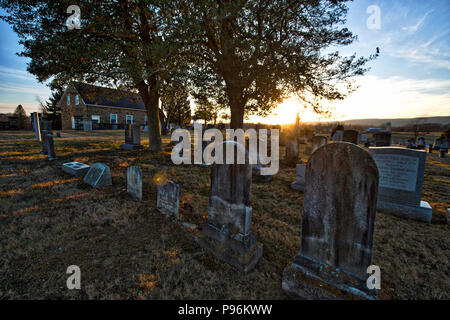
(339, 207)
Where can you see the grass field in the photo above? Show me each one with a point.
(127, 250)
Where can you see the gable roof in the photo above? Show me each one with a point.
(95, 95)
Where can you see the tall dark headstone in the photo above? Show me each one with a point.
(132, 137)
(226, 232)
(50, 147)
(382, 139)
(46, 129)
(292, 153)
(350, 136)
(337, 225)
(36, 125)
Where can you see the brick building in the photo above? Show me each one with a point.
(105, 108)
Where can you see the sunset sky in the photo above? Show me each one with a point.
(411, 77)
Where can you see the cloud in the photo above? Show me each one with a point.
(414, 28)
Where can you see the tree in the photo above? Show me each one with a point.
(21, 116)
(120, 43)
(207, 109)
(251, 54)
(175, 103)
(51, 108)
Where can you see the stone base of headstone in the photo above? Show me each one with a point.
(297, 186)
(420, 213)
(243, 254)
(129, 146)
(76, 169)
(308, 279)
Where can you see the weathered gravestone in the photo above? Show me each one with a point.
(382, 139)
(226, 232)
(50, 147)
(350, 136)
(98, 175)
(338, 222)
(401, 180)
(421, 143)
(75, 168)
(292, 150)
(132, 137)
(46, 128)
(134, 182)
(338, 136)
(299, 183)
(317, 142)
(36, 126)
(443, 149)
(168, 198)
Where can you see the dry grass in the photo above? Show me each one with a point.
(126, 250)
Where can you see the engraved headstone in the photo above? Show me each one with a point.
(401, 180)
(134, 182)
(132, 137)
(168, 198)
(292, 150)
(46, 128)
(226, 232)
(75, 168)
(350, 136)
(50, 147)
(299, 183)
(382, 139)
(338, 222)
(98, 175)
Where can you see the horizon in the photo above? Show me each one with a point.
(409, 79)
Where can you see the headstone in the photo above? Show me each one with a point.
(36, 127)
(132, 137)
(421, 143)
(50, 147)
(87, 125)
(226, 233)
(75, 168)
(338, 136)
(437, 144)
(443, 149)
(430, 148)
(168, 198)
(401, 180)
(292, 150)
(98, 175)
(350, 136)
(299, 183)
(411, 144)
(134, 182)
(317, 142)
(338, 222)
(46, 128)
(382, 139)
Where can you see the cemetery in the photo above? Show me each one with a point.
(228, 150)
(156, 226)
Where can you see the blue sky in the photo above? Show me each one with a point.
(410, 78)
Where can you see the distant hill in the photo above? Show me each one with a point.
(396, 122)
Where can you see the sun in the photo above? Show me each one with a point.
(286, 112)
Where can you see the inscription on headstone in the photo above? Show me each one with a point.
(134, 182)
(168, 198)
(401, 180)
(98, 175)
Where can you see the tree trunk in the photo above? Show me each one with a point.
(237, 114)
(150, 96)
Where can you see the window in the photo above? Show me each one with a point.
(129, 118)
(77, 100)
(68, 99)
(113, 118)
(96, 118)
